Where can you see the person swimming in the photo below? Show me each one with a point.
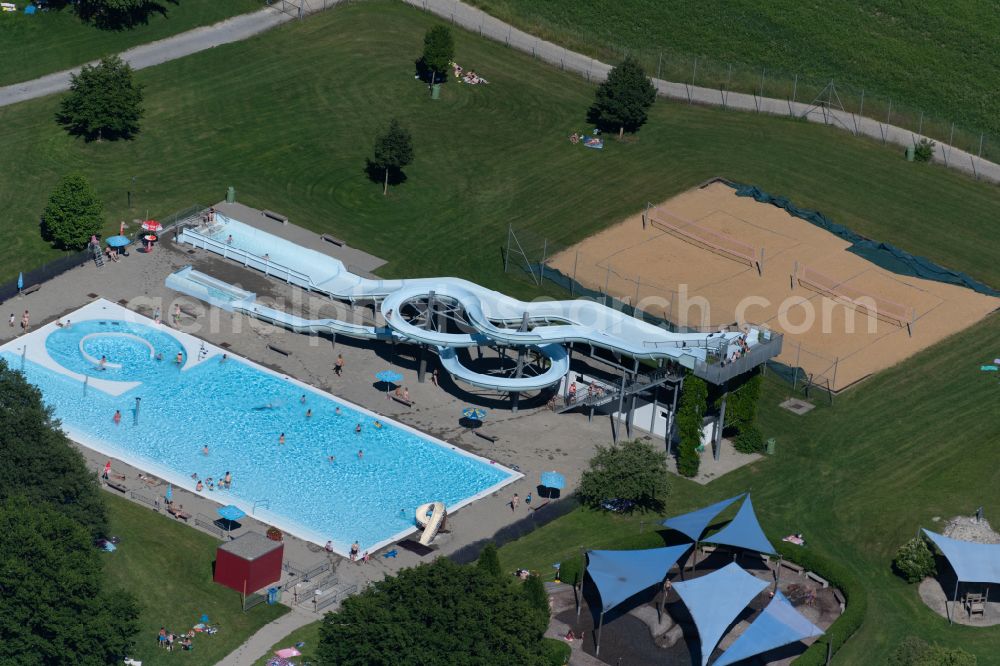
(281, 438)
(331, 459)
(337, 411)
(361, 454)
(117, 417)
(303, 399)
(204, 450)
(309, 413)
(262, 408)
(357, 429)
(378, 424)
(179, 359)
(200, 486)
(102, 364)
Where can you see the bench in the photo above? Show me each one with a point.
(117, 486)
(179, 514)
(815, 577)
(279, 350)
(30, 290)
(839, 596)
(791, 566)
(492, 439)
(277, 217)
(333, 239)
(403, 401)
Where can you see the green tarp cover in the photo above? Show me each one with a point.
(887, 256)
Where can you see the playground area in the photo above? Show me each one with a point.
(708, 257)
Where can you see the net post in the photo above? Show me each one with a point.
(541, 266)
(506, 254)
(795, 274)
(760, 264)
(645, 215)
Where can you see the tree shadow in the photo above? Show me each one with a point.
(426, 74)
(376, 174)
(126, 18)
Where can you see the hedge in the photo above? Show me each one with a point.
(855, 597)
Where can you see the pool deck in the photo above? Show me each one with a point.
(533, 439)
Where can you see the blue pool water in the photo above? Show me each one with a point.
(224, 404)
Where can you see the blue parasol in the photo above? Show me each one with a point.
(553, 480)
(169, 495)
(231, 513)
(20, 281)
(388, 377)
(474, 413)
(118, 241)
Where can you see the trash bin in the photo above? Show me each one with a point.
(231, 195)
(770, 446)
(272, 596)
(436, 91)
(911, 152)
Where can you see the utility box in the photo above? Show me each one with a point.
(231, 195)
(249, 562)
(770, 446)
(911, 153)
(436, 91)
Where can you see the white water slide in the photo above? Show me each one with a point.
(491, 318)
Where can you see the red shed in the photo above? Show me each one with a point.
(249, 562)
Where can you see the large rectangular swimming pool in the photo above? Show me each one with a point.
(239, 410)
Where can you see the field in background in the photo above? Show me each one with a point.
(707, 258)
(922, 65)
(288, 120)
(32, 46)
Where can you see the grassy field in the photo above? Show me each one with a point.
(32, 46)
(857, 479)
(309, 635)
(168, 566)
(936, 58)
(292, 134)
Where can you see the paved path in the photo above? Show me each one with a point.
(258, 645)
(154, 53)
(488, 26)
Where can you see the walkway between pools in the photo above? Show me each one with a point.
(487, 317)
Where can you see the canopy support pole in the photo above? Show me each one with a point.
(954, 598)
(583, 573)
(600, 624)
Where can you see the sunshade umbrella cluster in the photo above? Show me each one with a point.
(388, 377)
(231, 513)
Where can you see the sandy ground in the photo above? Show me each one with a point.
(830, 339)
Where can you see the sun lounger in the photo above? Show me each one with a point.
(489, 438)
(117, 486)
(178, 513)
(403, 401)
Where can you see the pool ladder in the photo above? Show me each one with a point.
(261, 503)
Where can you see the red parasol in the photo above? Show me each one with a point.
(152, 225)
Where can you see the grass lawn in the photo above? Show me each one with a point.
(168, 566)
(292, 134)
(939, 58)
(308, 634)
(857, 479)
(32, 46)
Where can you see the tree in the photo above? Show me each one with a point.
(54, 608)
(73, 214)
(38, 460)
(690, 415)
(623, 100)
(103, 101)
(393, 151)
(118, 14)
(489, 561)
(534, 592)
(914, 561)
(439, 51)
(435, 614)
(633, 471)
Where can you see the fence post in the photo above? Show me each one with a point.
(659, 62)
(980, 145)
(572, 285)
(861, 109)
(920, 125)
(506, 254)
(541, 267)
(763, 71)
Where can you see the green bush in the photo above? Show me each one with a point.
(555, 652)
(534, 591)
(924, 150)
(632, 471)
(489, 561)
(914, 651)
(914, 560)
(690, 414)
(750, 440)
(855, 596)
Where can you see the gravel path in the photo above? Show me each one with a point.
(488, 26)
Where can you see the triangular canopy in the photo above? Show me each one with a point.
(778, 624)
(618, 574)
(694, 523)
(743, 531)
(715, 600)
(972, 562)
